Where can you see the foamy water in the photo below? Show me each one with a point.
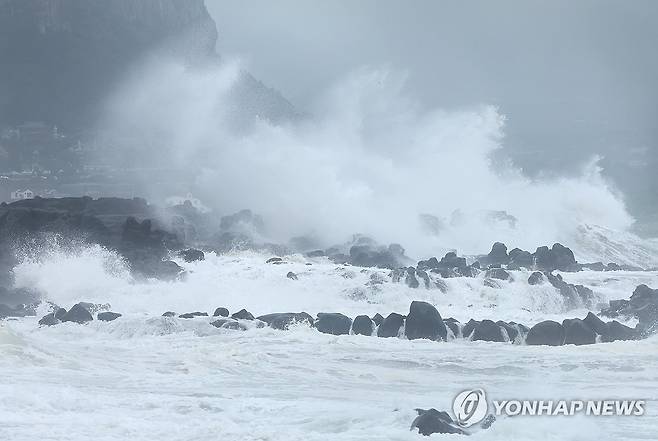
(147, 377)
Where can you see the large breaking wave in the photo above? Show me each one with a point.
(370, 161)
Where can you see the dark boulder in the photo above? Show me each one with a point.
(363, 325)
(596, 324)
(378, 319)
(169, 314)
(558, 257)
(577, 332)
(498, 273)
(220, 312)
(391, 325)
(424, 321)
(333, 323)
(450, 260)
(59, 313)
(510, 328)
(498, 254)
(283, 320)
(77, 314)
(49, 320)
(228, 323)
(274, 260)
(453, 325)
(536, 278)
(432, 421)
(428, 264)
(108, 316)
(617, 331)
(189, 315)
(613, 267)
(520, 258)
(192, 255)
(548, 333)
(291, 275)
(487, 330)
(368, 254)
(469, 327)
(243, 314)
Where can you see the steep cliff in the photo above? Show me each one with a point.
(58, 58)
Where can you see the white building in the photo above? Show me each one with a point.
(22, 194)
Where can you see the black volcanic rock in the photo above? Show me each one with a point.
(362, 325)
(190, 315)
(596, 324)
(424, 321)
(108, 316)
(192, 255)
(557, 257)
(498, 254)
(49, 320)
(617, 331)
(432, 421)
(487, 330)
(391, 325)
(521, 258)
(284, 319)
(536, 278)
(578, 333)
(498, 273)
(242, 314)
(77, 314)
(548, 333)
(333, 323)
(220, 312)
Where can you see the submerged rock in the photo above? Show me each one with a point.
(432, 421)
(49, 320)
(192, 255)
(77, 314)
(108, 316)
(243, 314)
(498, 273)
(189, 315)
(283, 320)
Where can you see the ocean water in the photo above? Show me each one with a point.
(145, 377)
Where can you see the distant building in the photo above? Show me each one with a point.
(22, 194)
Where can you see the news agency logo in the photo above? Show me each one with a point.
(470, 407)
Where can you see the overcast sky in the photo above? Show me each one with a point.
(573, 77)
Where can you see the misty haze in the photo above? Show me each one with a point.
(328, 220)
